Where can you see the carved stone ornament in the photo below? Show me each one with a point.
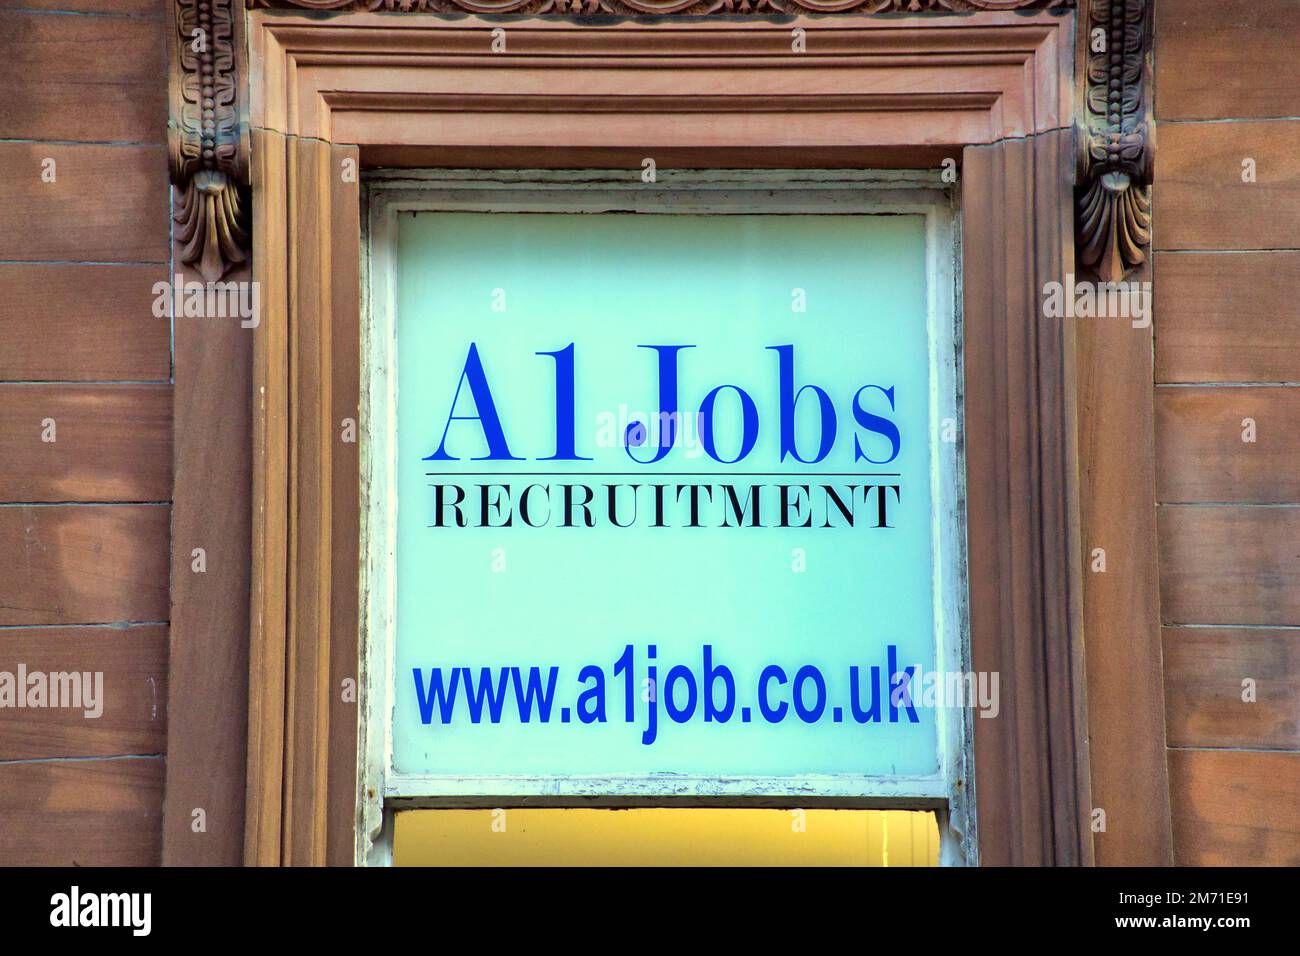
(207, 143)
(1116, 150)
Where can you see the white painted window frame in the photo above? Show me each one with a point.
(951, 790)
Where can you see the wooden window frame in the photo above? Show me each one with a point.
(993, 90)
(920, 193)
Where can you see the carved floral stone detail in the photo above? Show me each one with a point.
(1116, 149)
(207, 145)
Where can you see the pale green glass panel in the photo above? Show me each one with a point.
(568, 597)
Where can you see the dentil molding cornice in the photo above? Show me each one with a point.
(666, 7)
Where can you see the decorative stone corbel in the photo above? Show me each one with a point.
(206, 137)
(1116, 145)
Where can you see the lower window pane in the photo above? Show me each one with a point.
(665, 837)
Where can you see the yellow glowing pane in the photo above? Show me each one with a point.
(665, 837)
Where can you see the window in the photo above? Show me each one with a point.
(663, 495)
